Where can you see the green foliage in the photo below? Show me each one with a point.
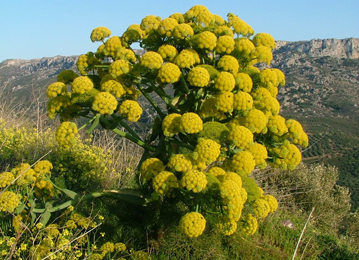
(311, 186)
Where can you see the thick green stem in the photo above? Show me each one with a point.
(153, 103)
(129, 195)
(134, 139)
(129, 129)
(129, 137)
(167, 99)
(184, 84)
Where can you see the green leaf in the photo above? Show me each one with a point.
(45, 217)
(60, 182)
(129, 195)
(94, 123)
(33, 218)
(32, 203)
(19, 208)
(69, 193)
(48, 205)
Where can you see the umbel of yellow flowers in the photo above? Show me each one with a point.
(221, 116)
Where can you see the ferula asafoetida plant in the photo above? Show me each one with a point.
(220, 120)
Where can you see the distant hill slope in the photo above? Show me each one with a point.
(322, 91)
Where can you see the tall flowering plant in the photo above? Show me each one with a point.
(220, 120)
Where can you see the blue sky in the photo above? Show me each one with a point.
(46, 28)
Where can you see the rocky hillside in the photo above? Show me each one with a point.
(322, 77)
(19, 78)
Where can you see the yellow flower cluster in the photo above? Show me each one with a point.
(186, 59)
(192, 224)
(262, 54)
(224, 81)
(99, 34)
(269, 78)
(86, 62)
(259, 153)
(164, 182)
(24, 174)
(232, 176)
(276, 125)
(215, 131)
(178, 17)
(240, 136)
(167, 52)
(255, 120)
(242, 101)
(198, 77)
(191, 123)
(183, 31)
(44, 189)
(6, 178)
(66, 134)
(248, 225)
(171, 124)
(194, 180)
(208, 109)
(205, 40)
(42, 168)
(104, 103)
(168, 73)
(55, 89)
(167, 26)
(125, 54)
(228, 63)
(151, 60)
(199, 15)
(132, 34)
(226, 227)
(80, 221)
(56, 105)
(243, 48)
(206, 152)
(179, 163)
(268, 105)
(112, 45)
(261, 208)
(264, 39)
(150, 23)
(81, 85)
(114, 87)
(224, 101)
(239, 26)
(119, 67)
(287, 156)
(222, 29)
(8, 201)
(272, 202)
(83, 163)
(151, 167)
(297, 133)
(216, 171)
(243, 163)
(120, 247)
(131, 110)
(232, 199)
(244, 82)
(225, 44)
